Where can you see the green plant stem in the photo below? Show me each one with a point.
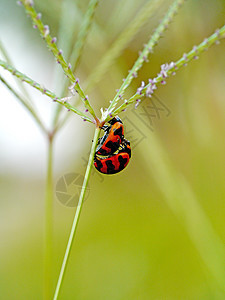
(43, 90)
(123, 39)
(77, 213)
(48, 224)
(68, 22)
(147, 49)
(120, 43)
(51, 43)
(25, 104)
(77, 51)
(197, 50)
(9, 61)
(83, 33)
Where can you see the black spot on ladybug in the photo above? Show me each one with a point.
(113, 145)
(122, 162)
(98, 163)
(110, 167)
(118, 131)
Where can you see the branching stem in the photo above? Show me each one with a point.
(42, 89)
(173, 67)
(51, 43)
(147, 49)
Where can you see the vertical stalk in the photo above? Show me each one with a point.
(48, 239)
(77, 213)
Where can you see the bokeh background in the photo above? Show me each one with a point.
(155, 230)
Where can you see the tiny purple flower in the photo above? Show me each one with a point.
(150, 89)
(185, 56)
(137, 103)
(140, 89)
(195, 49)
(217, 31)
(164, 69)
(53, 40)
(38, 17)
(46, 30)
(29, 2)
(145, 58)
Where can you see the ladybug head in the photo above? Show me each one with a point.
(115, 120)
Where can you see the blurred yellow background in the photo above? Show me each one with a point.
(155, 230)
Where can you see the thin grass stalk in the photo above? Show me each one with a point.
(80, 41)
(119, 13)
(25, 104)
(51, 44)
(43, 90)
(124, 38)
(120, 43)
(69, 21)
(173, 67)
(77, 213)
(172, 11)
(83, 33)
(19, 83)
(48, 229)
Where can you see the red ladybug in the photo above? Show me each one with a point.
(115, 163)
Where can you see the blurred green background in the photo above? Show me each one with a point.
(155, 230)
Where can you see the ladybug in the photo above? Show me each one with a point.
(112, 139)
(115, 163)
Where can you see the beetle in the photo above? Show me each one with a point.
(116, 162)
